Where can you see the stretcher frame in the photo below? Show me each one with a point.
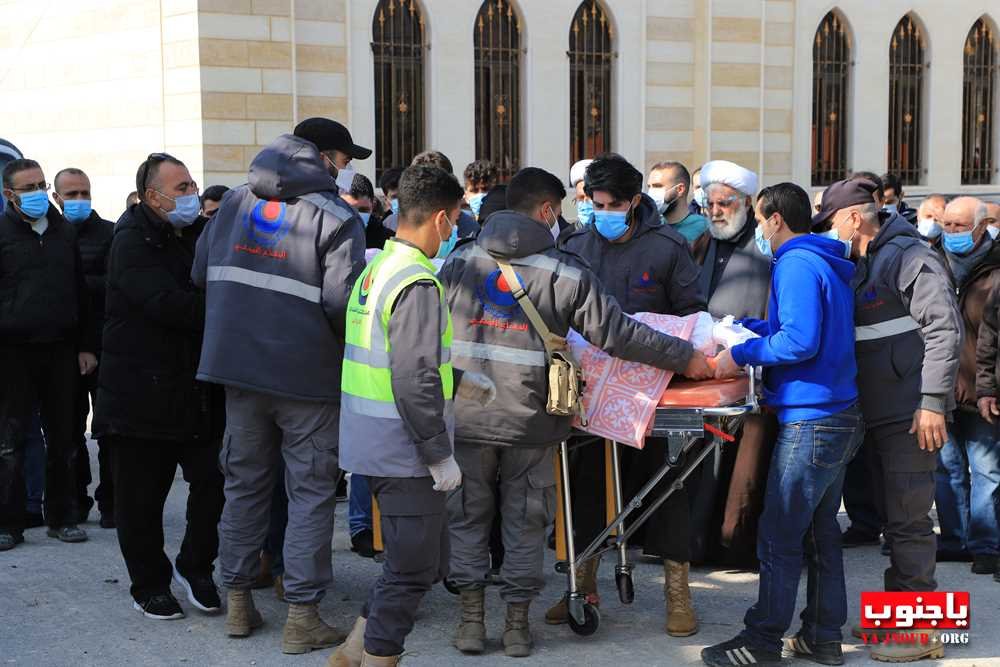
(683, 427)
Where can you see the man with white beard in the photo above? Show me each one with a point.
(735, 278)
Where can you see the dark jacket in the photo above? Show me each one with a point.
(908, 329)
(43, 294)
(735, 277)
(467, 225)
(278, 264)
(94, 238)
(152, 337)
(493, 336)
(988, 347)
(973, 295)
(652, 272)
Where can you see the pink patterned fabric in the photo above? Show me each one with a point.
(620, 398)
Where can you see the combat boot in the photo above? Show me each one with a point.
(586, 583)
(350, 652)
(471, 634)
(305, 630)
(242, 616)
(681, 619)
(932, 650)
(517, 632)
(369, 660)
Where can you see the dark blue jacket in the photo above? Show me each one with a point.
(278, 261)
(807, 342)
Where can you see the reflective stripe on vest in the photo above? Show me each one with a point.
(501, 353)
(366, 381)
(886, 329)
(266, 281)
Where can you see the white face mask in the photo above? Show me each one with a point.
(345, 178)
(554, 228)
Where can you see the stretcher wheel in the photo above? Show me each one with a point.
(626, 590)
(592, 620)
(451, 587)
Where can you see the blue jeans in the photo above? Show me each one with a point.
(967, 504)
(359, 505)
(34, 465)
(804, 488)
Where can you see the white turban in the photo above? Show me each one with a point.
(578, 171)
(731, 174)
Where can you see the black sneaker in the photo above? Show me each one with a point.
(69, 533)
(982, 564)
(363, 544)
(825, 653)
(201, 591)
(108, 520)
(159, 607)
(736, 653)
(9, 540)
(854, 537)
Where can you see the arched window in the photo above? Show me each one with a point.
(980, 105)
(591, 57)
(907, 64)
(831, 77)
(398, 46)
(497, 40)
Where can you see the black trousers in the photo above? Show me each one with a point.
(104, 493)
(862, 502)
(44, 375)
(143, 471)
(415, 534)
(666, 534)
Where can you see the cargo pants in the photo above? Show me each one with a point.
(527, 506)
(259, 429)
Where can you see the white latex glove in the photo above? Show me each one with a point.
(476, 387)
(447, 475)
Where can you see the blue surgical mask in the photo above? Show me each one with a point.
(34, 204)
(891, 208)
(449, 244)
(958, 243)
(763, 243)
(928, 228)
(585, 212)
(832, 234)
(476, 203)
(394, 205)
(186, 209)
(365, 217)
(612, 225)
(76, 210)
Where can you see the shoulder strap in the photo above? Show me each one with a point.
(552, 341)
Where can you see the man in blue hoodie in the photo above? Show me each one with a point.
(807, 348)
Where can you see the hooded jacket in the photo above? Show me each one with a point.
(973, 295)
(278, 262)
(651, 272)
(908, 328)
(493, 336)
(807, 343)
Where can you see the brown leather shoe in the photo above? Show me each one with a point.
(242, 617)
(306, 631)
(349, 653)
(369, 660)
(681, 619)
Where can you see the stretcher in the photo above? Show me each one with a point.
(688, 416)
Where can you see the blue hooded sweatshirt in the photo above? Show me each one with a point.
(807, 342)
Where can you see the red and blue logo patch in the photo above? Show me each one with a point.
(496, 296)
(266, 224)
(645, 283)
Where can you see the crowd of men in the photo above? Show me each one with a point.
(268, 338)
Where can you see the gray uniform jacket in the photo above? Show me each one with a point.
(908, 329)
(652, 272)
(735, 276)
(278, 261)
(493, 336)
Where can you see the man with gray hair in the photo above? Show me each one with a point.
(908, 338)
(965, 503)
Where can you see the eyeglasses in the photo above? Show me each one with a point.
(34, 187)
(151, 159)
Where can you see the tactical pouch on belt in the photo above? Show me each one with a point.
(564, 374)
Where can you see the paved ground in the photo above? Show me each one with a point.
(63, 604)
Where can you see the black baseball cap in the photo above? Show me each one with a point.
(330, 135)
(844, 194)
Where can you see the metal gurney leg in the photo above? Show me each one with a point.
(584, 618)
(623, 571)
